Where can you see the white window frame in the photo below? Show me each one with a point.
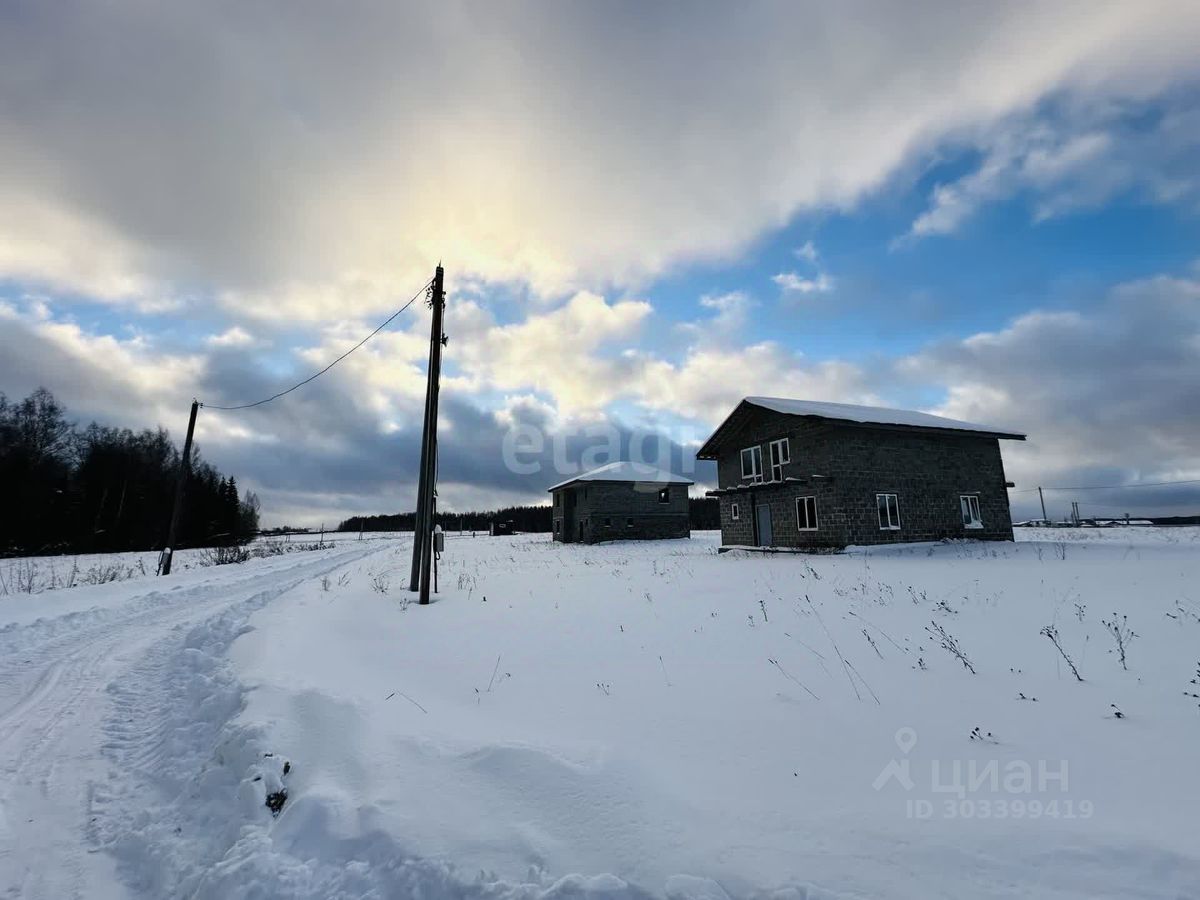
(891, 504)
(735, 514)
(802, 503)
(968, 506)
(785, 457)
(756, 469)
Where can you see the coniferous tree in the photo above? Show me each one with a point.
(99, 488)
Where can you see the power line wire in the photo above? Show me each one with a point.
(301, 384)
(1110, 487)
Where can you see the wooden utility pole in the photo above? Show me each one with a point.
(185, 464)
(1043, 499)
(427, 483)
(427, 543)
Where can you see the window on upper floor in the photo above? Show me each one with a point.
(781, 452)
(664, 495)
(752, 468)
(969, 505)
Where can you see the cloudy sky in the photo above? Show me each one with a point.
(645, 211)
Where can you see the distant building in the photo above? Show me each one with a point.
(798, 473)
(620, 501)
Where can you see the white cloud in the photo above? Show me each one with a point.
(1109, 390)
(128, 382)
(234, 336)
(298, 162)
(817, 283)
(808, 252)
(560, 353)
(731, 311)
(69, 251)
(709, 380)
(791, 282)
(1082, 161)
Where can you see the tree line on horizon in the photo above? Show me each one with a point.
(704, 514)
(102, 489)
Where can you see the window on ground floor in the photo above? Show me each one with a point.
(889, 511)
(608, 522)
(806, 513)
(752, 464)
(734, 513)
(558, 526)
(969, 504)
(629, 523)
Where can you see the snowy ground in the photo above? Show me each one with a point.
(628, 720)
(36, 574)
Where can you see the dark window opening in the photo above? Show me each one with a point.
(806, 513)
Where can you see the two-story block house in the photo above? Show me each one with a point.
(799, 473)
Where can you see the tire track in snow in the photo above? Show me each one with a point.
(53, 700)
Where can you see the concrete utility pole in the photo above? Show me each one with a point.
(185, 464)
(427, 485)
(1043, 499)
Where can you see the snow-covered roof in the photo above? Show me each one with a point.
(624, 470)
(849, 412)
(880, 414)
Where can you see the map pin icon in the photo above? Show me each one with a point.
(906, 739)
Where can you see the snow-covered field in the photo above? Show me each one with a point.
(35, 574)
(627, 720)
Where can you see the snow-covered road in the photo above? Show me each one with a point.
(100, 678)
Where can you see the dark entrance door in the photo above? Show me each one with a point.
(762, 516)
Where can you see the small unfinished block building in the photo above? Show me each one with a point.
(621, 501)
